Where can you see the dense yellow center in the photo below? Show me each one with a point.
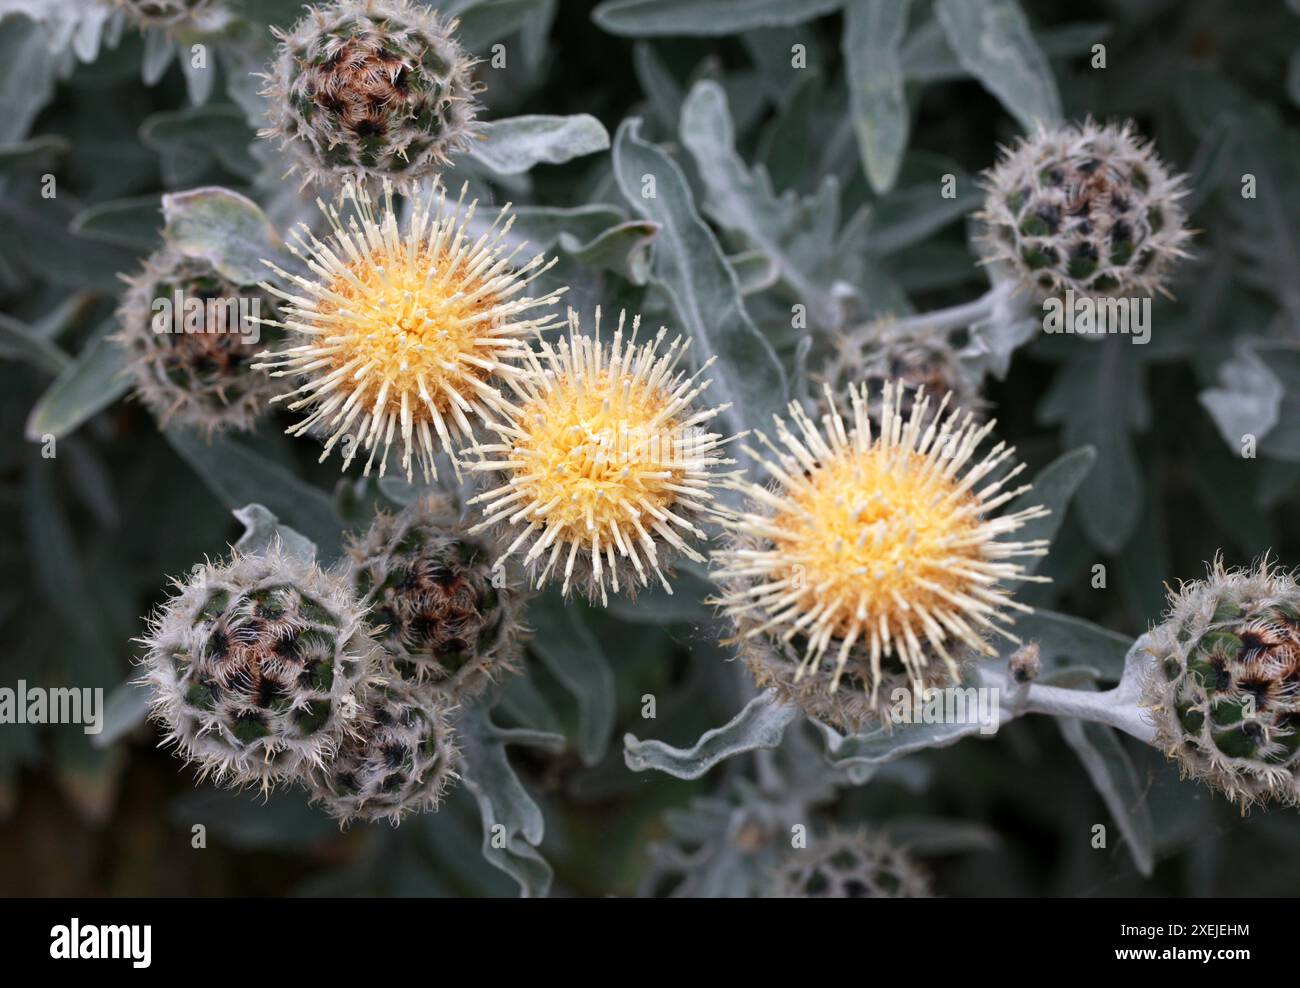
(407, 321)
(873, 528)
(594, 453)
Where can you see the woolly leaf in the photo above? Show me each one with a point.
(1116, 781)
(226, 229)
(1053, 488)
(992, 40)
(84, 388)
(798, 234)
(515, 144)
(1248, 401)
(512, 821)
(690, 267)
(761, 724)
(873, 34)
(262, 530)
(136, 223)
(571, 652)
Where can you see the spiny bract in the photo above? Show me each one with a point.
(1225, 689)
(855, 865)
(399, 763)
(1085, 208)
(190, 339)
(400, 335)
(371, 88)
(876, 352)
(445, 622)
(603, 462)
(875, 560)
(257, 666)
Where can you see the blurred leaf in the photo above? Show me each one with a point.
(237, 476)
(653, 605)
(873, 34)
(39, 152)
(27, 75)
(283, 820)
(189, 140)
(1067, 642)
(992, 40)
(761, 724)
(485, 22)
(228, 230)
(704, 17)
(1053, 488)
(1248, 401)
(1098, 400)
(1267, 226)
(57, 570)
(514, 145)
(135, 223)
(571, 652)
(661, 89)
(1116, 781)
(91, 383)
(34, 235)
(690, 267)
(125, 709)
(914, 211)
(924, 837)
(927, 57)
(198, 86)
(19, 342)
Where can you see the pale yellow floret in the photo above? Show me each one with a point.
(881, 542)
(603, 460)
(402, 333)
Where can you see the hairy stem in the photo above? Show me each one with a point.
(1114, 707)
(955, 317)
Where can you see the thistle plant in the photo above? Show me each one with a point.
(257, 666)
(399, 763)
(189, 349)
(448, 626)
(874, 563)
(849, 865)
(408, 192)
(603, 468)
(1085, 208)
(365, 88)
(401, 334)
(1225, 687)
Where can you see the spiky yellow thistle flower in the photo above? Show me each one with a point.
(402, 332)
(604, 461)
(876, 549)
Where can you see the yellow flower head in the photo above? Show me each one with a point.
(876, 550)
(400, 334)
(604, 463)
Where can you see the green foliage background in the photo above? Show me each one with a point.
(767, 159)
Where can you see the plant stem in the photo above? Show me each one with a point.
(1114, 707)
(955, 317)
